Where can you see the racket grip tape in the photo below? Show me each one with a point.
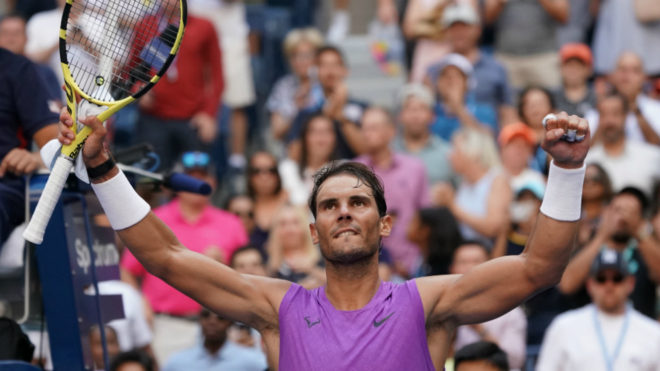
(51, 194)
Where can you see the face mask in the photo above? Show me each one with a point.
(521, 210)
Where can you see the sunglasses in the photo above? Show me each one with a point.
(192, 160)
(263, 170)
(603, 278)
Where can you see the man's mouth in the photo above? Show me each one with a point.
(345, 233)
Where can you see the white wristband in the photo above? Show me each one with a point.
(122, 205)
(563, 194)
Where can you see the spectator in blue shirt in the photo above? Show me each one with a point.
(456, 107)
(462, 29)
(215, 351)
(24, 117)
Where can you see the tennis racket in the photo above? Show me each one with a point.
(112, 52)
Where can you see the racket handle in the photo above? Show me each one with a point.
(186, 183)
(51, 194)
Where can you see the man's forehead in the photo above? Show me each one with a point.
(343, 185)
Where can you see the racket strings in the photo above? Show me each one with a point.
(115, 47)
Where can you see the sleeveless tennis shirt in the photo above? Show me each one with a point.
(386, 334)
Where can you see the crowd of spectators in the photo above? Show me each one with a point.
(259, 101)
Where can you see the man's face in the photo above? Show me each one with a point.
(451, 78)
(331, 70)
(249, 262)
(609, 290)
(348, 227)
(416, 117)
(628, 76)
(462, 36)
(516, 153)
(377, 131)
(12, 35)
(612, 119)
(575, 72)
(467, 257)
(628, 217)
(214, 328)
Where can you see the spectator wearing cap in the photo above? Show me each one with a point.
(517, 145)
(508, 331)
(205, 230)
(624, 229)
(215, 351)
(422, 24)
(628, 163)
(607, 334)
(462, 30)
(575, 96)
(416, 138)
(526, 39)
(523, 212)
(642, 115)
(404, 178)
(456, 107)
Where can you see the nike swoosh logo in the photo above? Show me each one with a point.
(378, 323)
(310, 324)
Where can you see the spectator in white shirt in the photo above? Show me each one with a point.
(607, 334)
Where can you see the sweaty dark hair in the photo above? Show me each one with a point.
(482, 351)
(356, 169)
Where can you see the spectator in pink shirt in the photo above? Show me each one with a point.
(406, 186)
(206, 230)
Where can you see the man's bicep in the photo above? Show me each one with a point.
(244, 298)
(487, 291)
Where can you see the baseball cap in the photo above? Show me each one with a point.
(576, 50)
(459, 13)
(418, 91)
(457, 61)
(609, 259)
(518, 129)
(534, 186)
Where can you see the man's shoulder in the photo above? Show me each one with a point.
(651, 326)
(185, 359)
(570, 319)
(13, 62)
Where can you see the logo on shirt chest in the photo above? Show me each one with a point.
(311, 323)
(378, 323)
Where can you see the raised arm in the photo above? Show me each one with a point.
(252, 300)
(495, 287)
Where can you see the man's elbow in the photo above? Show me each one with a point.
(543, 275)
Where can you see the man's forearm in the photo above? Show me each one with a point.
(649, 134)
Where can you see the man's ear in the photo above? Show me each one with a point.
(385, 226)
(314, 233)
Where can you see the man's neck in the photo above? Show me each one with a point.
(615, 148)
(382, 158)
(575, 92)
(213, 346)
(415, 143)
(191, 212)
(619, 310)
(351, 287)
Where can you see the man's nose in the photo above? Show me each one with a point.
(344, 212)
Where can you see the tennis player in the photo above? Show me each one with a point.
(356, 321)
